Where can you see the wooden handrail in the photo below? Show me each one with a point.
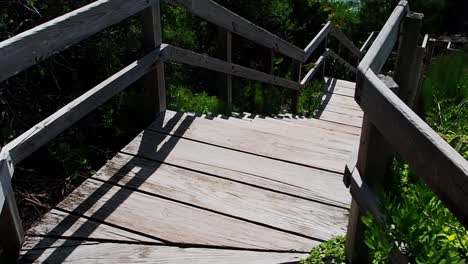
(22, 146)
(385, 40)
(312, 46)
(180, 55)
(28, 48)
(234, 23)
(429, 155)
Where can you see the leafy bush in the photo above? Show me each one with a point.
(418, 224)
(332, 251)
(310, 98)
(184, 100)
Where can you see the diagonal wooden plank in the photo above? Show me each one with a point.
(272, 174)
(284, 212)
(118, 253)
(62, 224)
(172, 222)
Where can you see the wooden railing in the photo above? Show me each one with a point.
(37, 44)
(390, 125)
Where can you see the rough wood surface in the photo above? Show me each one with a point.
(61, 224)
(199, 60)
(275, 175)
(173, 222)
(224, 18)
(385, 40)
(85, 252)
(319, 155)
(284, 212)
(416, 142)
(43, 132)
(26, 49)
(317, 40)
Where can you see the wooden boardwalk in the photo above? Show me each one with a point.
(211, 189)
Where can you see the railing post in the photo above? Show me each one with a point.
(409, 59)
(296, 76)
(224, 81)
(11, 229)
(154, 92)
(267, 91)
(374, 156)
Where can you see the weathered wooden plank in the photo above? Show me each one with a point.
(341, 101)
(44, 131)
(276, 127)
(174, 222)
(331, 53)
(383, 44)
(271, 174)
(60, 224)
(26, 49)
(331, 86)
(199, 60)
(312, 122)
(310, 74)
(323, 33)
(340, 118)
(341, 83)
(417, 143)
(317, 151)
(59, 252)
(284, 212)
(342, 110)
(224, 18)
(345, 41)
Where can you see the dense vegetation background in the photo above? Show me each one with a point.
(44, 178)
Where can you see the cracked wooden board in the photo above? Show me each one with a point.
(79, 252)
(280, 211)
(175, 223)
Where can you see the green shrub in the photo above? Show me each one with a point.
(184, 100)
(310, 98)
(332, 251)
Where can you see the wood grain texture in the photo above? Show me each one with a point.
(59, 224)
(340, 118)
(417, 143)
(26, 49)
(317, 40)
(333, 86)
(224, 18)
(173, 222)
(284, 212)
(275, 175)
(107, 253)
(323, 153)
(44, 131)
(199, 60)
(385, 40)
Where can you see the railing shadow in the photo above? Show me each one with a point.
(86, 229)
(329, 86)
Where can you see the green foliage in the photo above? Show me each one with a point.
(331, 251)
(344, 14)
(184, 100)
(418, 224)
(310, 98)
